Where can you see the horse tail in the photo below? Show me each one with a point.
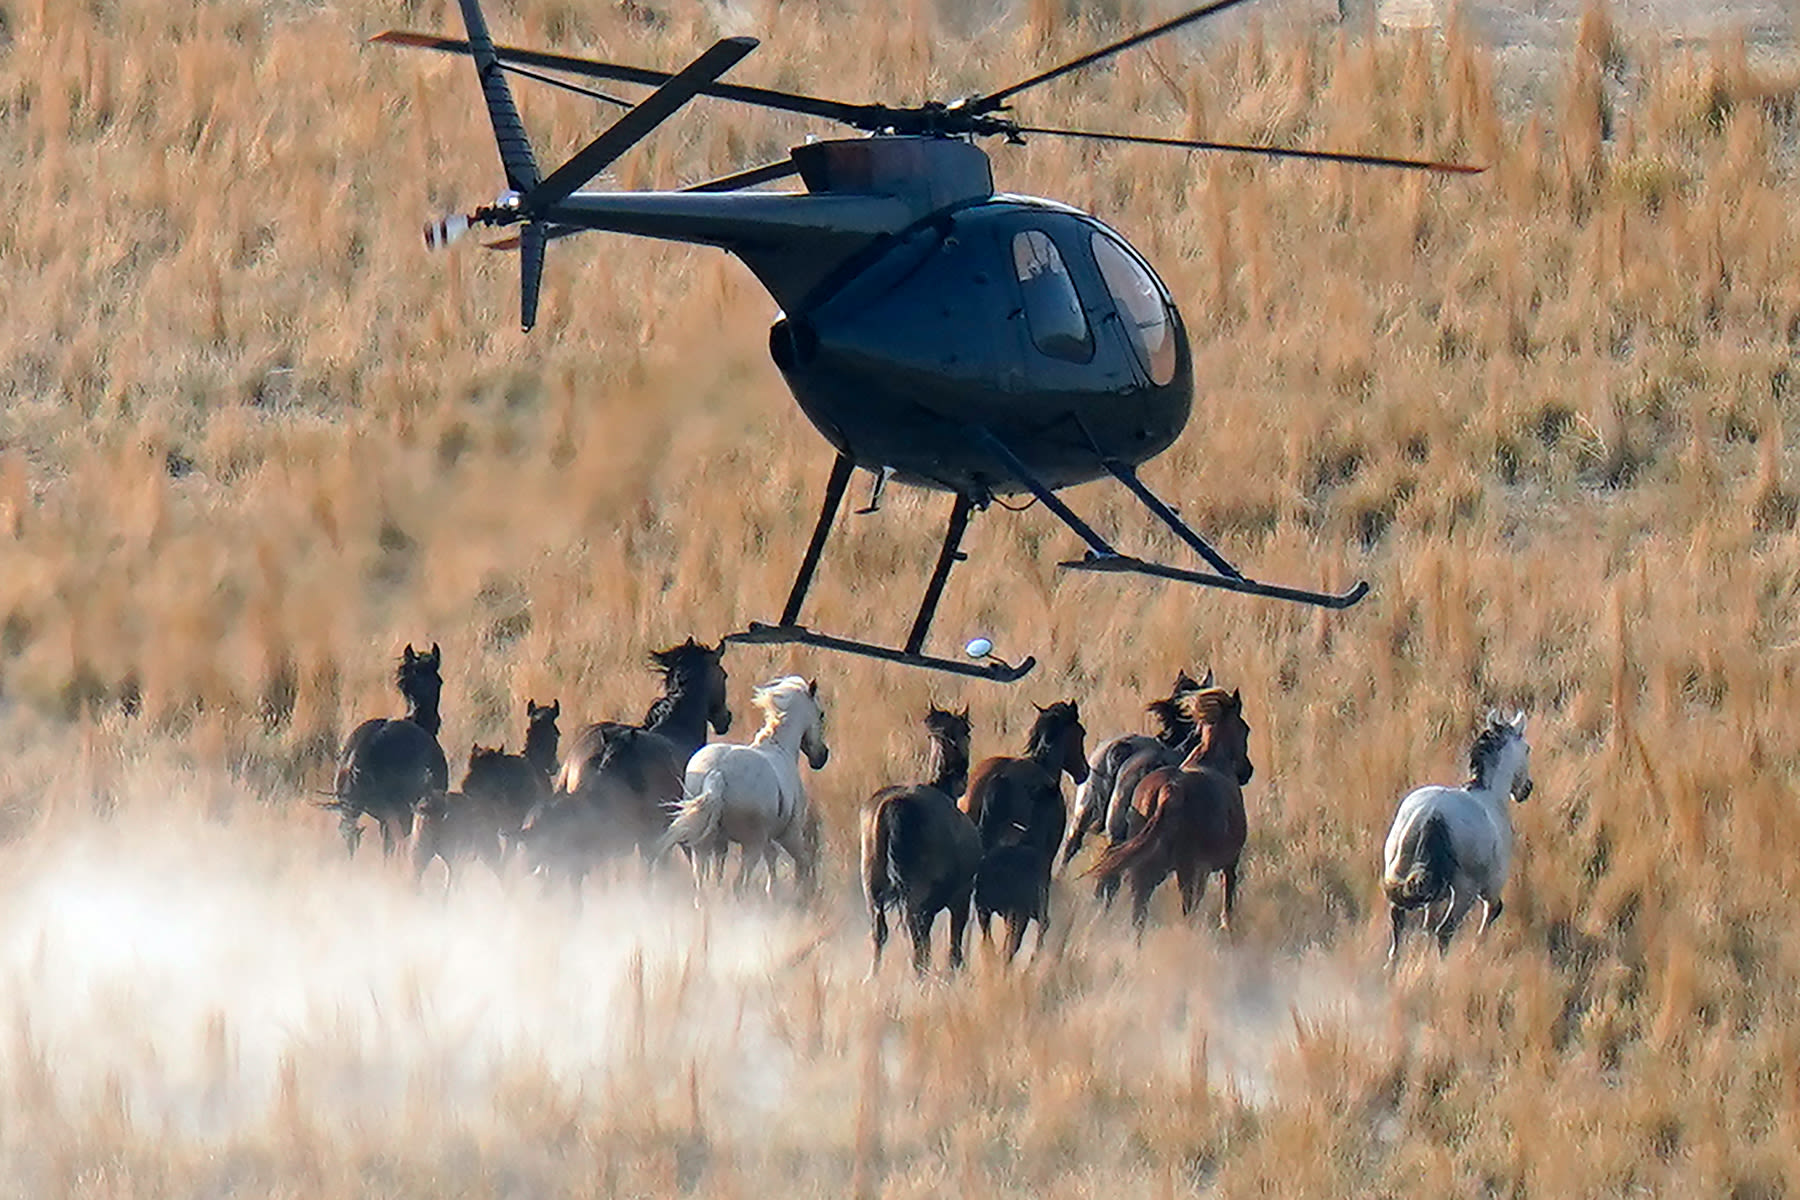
(881, 867)
(1432, 869)
(699, 817)
(1120, 857)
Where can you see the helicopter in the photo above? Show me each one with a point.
(937, 332)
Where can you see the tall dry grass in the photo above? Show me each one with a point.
(252, 442)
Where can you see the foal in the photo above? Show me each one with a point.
(920, 851)
(1450, 846)
(1194, 814)
(1016, 804)
(389, 766)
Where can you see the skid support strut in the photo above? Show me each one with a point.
(791, 632)
(1102, 557)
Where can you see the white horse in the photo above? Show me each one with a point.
(1454, 845)
(752, 795)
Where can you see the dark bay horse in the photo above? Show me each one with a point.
(498, 793)
(514, 784)
(1094, 798)
(1016, 805)
(1194, 823)
(920, 851)
(619, 784)
(388, 766)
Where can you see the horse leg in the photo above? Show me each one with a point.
(1015, 933)
(918, 927)
(1490, 912)
(879, 931)
(1143, 882)
(959, 926)
(350, 829)
(424, 850)
(1460, 903)
(1230, 901)
(1397, 920)
(1190, 878)
(1106, 890)
(769, 859)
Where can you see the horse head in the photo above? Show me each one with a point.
(812, 739)
(1502, 746)
(692, 666)
(1225, 735)
(948, 728)
(419, 679)
(1058, 739)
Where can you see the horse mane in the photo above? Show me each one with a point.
(776, 697)
(1484, 755)
(1205, 707)
(1049, 726)
(1173, 726)
(949, 762)
(682, 667)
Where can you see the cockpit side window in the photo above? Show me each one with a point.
(1052, 308)
(1141, 308)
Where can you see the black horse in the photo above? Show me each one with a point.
(515, 784)
(387, 767)
(920, 851)
(619, 784)
(1017, 805)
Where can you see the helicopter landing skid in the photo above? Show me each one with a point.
(1102, 557)
(1126, 564)
(759, 634)
(791, 632)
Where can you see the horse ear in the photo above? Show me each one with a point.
(407, 655)
(1237, 699)
(555, 708)
(437, 656)
(1208, 681)
(1518, 722)
(812, 687)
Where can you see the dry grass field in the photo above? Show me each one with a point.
(253, 441)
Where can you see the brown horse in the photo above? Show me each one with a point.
(920, 851)
(1194, 822)
(619, 784)
(389, 766)
(1094, 798)
(1017, 806)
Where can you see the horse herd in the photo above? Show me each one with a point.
(977, 839)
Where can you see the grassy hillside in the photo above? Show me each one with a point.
(253, 441)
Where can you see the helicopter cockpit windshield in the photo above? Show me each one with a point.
(1052, 308)
(1141, 308)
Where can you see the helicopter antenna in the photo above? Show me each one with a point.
(995, 101)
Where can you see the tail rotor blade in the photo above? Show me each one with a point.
(532, 239)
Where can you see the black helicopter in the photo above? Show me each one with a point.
(936, 332)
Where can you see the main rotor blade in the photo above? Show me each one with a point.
(1361, 160)
(509, 132)
(631, 128)
(994, 100)
(750, 178)
(858, 115)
